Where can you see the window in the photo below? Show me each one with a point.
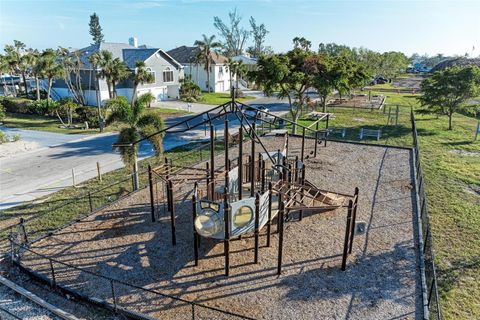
(149, 70)
(242, 217)
(168, 75)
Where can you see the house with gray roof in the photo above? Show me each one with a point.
(219, 75)
(166, 70)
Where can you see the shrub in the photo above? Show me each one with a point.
(189, 91)
(41, 108)
(2, 112)
(3, 137)
(15, 105)
(87, 114)
(16, 137)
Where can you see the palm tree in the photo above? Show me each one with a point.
(35, 61)
(51, 69)
(95, 60)
(104, 60)
(207, 47)
(139, 125)
(119, 72)
(140, 76)
(18, 61)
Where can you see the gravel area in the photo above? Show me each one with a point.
(382, 279)
(21, 307)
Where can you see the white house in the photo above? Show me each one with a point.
(165, 69)
(219, 75)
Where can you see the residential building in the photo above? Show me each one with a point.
(165, 69)
(193, 67)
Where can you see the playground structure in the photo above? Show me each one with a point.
(164, 251)
(253, 190)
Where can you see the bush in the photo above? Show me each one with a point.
(3, 137)
(189, 91)
(87, 114)
(41, 108)
(2, 112)
(16, 137)
(15, 105)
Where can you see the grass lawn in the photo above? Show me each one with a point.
(451, 162)
(52, 124)
(218, 98)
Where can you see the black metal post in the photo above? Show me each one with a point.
(263, 176)
(227, 161)
(240, 161)
(52, 271)
(257, 225)
(347, 234)
(280, 236)
(303, 144)
(226, 241)
(208, 181)
(354, 218)
(172, 214)
(302, 182)
(113, 296)
(152, 200)
(252, 162)
(212, 162)
(195, 234)
(269, 222)
(90, 201)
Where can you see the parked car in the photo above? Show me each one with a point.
(252, 111)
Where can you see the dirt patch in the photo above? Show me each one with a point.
(12, 148)
(382, 278)
(473, 188)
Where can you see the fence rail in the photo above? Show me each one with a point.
(432, 296)
(115, 294)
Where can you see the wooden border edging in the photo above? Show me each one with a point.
(30, 296)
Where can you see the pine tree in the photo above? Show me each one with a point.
(95, 29)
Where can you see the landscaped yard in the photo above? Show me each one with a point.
(218, 98)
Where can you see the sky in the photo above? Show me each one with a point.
(431, 27)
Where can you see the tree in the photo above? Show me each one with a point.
(119, 72)
(35, 61)
(392, 63)
(290, 75)
(112, 70)
(140, 76)
(447, 90)
(233, 35)
(95, 29)
(72, 65)
(207, 47)
(51, 69)
(18, 60)
(67, 107)
(95, 60)
(259, 32)
(139, 124)
(302, 43)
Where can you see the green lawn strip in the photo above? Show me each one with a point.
(52, 124)
(40, 123)
(218, 98)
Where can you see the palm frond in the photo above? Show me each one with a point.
(151, 119)
(121, 110)
(128, 154)
(155, 139)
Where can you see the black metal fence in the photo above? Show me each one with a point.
(432, 296)
(117, 295)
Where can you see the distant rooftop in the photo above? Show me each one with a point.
(186, 54)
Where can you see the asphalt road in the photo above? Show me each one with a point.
(30, 175)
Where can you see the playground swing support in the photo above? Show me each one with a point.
(227, 214)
